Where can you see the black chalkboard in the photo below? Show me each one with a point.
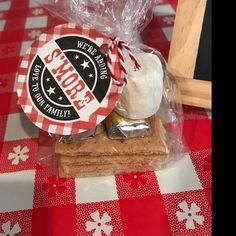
(203, 62)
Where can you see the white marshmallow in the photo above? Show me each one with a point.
(142, 95)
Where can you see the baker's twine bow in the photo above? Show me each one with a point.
(121, 46)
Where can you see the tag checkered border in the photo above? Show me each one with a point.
(37, 117)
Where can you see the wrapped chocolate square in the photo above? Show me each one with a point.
(88, 134)
(110, 103)
(119, 127)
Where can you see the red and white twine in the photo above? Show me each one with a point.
(121, 46)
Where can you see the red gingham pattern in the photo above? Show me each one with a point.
(41, 120)
(33, 202)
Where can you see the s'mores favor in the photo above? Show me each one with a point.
(88, 85)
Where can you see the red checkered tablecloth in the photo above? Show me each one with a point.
(173, 201)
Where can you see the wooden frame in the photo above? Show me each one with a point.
(183, 52)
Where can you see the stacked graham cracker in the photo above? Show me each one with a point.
(103, 156)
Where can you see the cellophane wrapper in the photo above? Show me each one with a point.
(124, 19)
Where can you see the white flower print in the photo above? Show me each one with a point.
(34, 34)
(99, 224)
(18, 154)
(37, 11)
(7, 231)
(169, 19)
(190, 215)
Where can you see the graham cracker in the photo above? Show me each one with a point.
(101, 170)
(101, 145)
(109, 160)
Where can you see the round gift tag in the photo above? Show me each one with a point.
(63, 82)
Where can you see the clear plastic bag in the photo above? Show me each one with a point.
(150, 92)
(123, 18)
